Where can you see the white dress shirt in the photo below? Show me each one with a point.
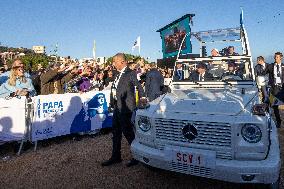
(116, 81)
(276, 77)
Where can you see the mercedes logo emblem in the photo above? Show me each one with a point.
(189, 132)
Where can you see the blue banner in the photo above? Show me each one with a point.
(62, 114)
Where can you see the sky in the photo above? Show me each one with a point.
(115, 25)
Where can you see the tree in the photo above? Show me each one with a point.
(31, 61)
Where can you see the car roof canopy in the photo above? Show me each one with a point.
(219, 35)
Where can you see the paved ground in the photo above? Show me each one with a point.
(76, 164)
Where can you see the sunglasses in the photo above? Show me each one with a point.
(17, 67)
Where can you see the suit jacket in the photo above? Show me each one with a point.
(194, 76)
(125, 92)
(154, 84)
(270, 70)
(259, 71)
(179, 75)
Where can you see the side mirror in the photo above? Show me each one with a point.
(165, 89)
(260, 80)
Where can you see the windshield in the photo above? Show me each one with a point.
(217, 55)
(213, 70)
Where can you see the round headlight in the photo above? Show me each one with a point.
(144, 123)
(251, 133)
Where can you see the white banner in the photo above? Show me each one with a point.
(62, 114)
(12, 119)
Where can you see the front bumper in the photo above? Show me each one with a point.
(265, 171)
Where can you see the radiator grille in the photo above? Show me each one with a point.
(210, 134)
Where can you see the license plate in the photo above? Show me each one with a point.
(196, 157)
(190, 158)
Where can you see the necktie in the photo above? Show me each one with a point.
(180, 74)
(278, 70)
(201, 78)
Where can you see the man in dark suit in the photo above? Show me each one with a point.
(276, 73)
(179, 74)
(259, 70)
(124, 103)
(154, 83)
(232, 71)
(201, 74)
(260, 67)
(276, 81)
(231, 51)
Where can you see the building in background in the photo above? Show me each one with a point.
(39, 49)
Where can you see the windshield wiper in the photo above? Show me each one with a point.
(197, 83)
(227, 82)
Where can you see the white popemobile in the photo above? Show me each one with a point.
(216, 129)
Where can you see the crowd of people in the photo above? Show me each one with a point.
(123, 78)
(69, 77)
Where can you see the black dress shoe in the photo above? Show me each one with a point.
(132, 162)
(111, 161)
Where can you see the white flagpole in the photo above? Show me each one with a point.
(242, 18)
(139, 44)
(94, 50)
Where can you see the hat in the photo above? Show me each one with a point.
(201, 65)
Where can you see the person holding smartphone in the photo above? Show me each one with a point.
(17, 84)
